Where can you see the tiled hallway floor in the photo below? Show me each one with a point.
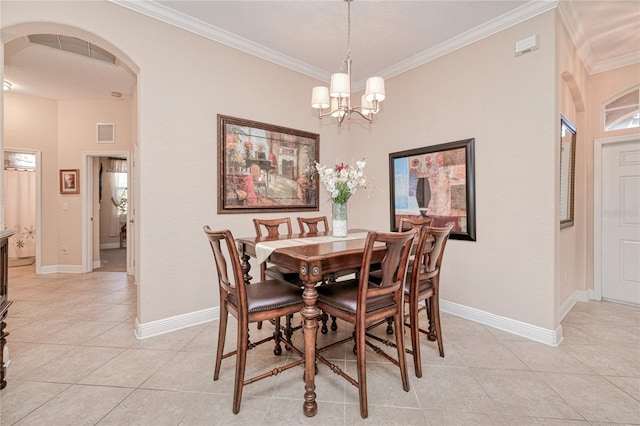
(75, 361)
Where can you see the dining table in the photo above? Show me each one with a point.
(313, 255)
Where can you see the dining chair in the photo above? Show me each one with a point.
(272, 228)
(310, 224)
(406, 223)
(363, 303)
(423, 283)
(258, 301)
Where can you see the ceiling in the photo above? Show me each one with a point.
(387, 38)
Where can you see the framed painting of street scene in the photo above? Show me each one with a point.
(265, 168)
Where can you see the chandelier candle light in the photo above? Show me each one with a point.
(341, 182)
(338, 97)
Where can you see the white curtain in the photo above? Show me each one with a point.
(118, 183)
(20, 212)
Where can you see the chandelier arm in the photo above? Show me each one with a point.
(367, 117)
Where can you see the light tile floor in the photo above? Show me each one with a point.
(75, 361)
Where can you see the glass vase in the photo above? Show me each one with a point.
(339, 224)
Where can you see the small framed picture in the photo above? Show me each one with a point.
(69, 183)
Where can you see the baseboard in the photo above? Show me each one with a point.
(97, 264)
(519, 328)
(107, 246)
(570, 302)
(65, 269)
(167, 325)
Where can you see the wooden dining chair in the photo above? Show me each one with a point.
(272, 228)
(363, 303)
(423, 284)
(258, 301)
(310, 224)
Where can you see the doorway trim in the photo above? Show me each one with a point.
(598, 146)
(38, 155)
(86, 178)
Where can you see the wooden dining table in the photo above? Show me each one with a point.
(320, 255)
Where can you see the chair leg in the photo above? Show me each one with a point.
(334, 324)
(277, 336)
(362, 370)
(241, 363)
(222, 334)
(435, 313)
(324, 317)
(390, 325)
(415, 337)
(401, 352)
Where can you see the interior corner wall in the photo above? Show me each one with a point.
(571, 256)
(506, 103)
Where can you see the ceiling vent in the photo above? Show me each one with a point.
(73, 45)
(105, 133)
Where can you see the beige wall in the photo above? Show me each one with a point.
(62, 131)
(32, 123)
(180, 92)
(571, 256)
(508, 104)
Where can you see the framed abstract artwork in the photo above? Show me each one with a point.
(265, 168)
(437, 182)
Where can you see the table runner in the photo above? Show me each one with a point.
(264, 249)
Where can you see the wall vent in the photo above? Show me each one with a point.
(105, 133)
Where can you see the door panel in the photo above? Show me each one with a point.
(621, 222)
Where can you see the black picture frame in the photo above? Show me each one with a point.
(568, 133)
(435, 181)
(266, 168)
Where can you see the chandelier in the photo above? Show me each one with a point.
(338, 97)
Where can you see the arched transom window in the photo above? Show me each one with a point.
(623, 111)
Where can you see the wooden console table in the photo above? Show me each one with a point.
(4, 299)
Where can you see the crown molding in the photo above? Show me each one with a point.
(516, 16)
(180, 20)
(162, 13)
(612, 64)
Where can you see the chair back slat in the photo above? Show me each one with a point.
(407, 223)
(272, 226)
(226, 255)
(393, 265)
(440, 236)
(312, 224)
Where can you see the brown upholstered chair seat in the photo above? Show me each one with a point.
(269, 295)
(343, 295)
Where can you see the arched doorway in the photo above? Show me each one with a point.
(73, 74)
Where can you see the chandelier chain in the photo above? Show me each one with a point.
(348, 29)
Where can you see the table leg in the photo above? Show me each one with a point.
(310, 313)
(245, 265)
(3, 341)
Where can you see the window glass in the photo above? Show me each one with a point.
(623, 111)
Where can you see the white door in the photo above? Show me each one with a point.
(620, 218)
